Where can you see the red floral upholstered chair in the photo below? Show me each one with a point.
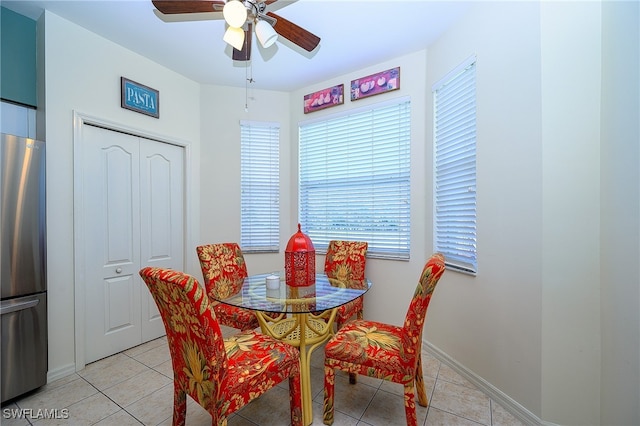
(224, 271)
(222, 375)
(346, 261)
(385, 351)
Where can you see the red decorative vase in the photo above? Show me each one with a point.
(300, 261)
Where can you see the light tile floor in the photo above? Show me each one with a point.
(135, 387)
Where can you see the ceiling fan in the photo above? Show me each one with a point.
(249, 16)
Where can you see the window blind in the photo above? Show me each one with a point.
(355, 178)
(455, 168)
(260, 186)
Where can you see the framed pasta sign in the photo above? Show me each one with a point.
(139, 98)
(324, 98)
(375, 84)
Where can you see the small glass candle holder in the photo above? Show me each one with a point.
(273, 282)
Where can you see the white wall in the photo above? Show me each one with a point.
(571, 98)
(491, 323)
(620, 213)
(83, 74)
(222, 108)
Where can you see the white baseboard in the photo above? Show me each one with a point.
(509, 404)
(61, 372)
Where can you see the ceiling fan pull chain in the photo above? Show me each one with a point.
(246, 89)
(248, 74)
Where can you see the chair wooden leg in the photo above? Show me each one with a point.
(422, 395)
(179, 405)
(410, 404)
(329, 389)
(353, 378)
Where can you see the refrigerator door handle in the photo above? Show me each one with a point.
(13, 306)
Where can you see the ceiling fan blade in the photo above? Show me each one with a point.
(245, 53)
(274, 5)
(169, 7)
(187, 17)
(294, 33)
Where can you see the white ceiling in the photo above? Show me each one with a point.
(354, 34)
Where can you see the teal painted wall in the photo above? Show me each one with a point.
(17, 58)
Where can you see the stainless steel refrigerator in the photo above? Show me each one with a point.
(23, 297)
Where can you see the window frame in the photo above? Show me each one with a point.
(349, 172)
(259, 186)
(455, 168)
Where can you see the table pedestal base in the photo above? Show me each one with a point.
(306, 331)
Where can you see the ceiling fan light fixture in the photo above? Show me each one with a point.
(265, 33)
(235, 13)
(235, 37)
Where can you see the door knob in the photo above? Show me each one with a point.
(118, 270)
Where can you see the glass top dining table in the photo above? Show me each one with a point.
(300, 316)
(325, 294)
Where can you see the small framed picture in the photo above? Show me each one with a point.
(324, 98)
(139, 98)
(375, 84)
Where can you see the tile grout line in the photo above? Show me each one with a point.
(116, 384)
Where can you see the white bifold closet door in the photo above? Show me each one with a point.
(133, 208)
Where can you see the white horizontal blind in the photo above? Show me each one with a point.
(355, 178)
(455, 168)
(260, 186)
